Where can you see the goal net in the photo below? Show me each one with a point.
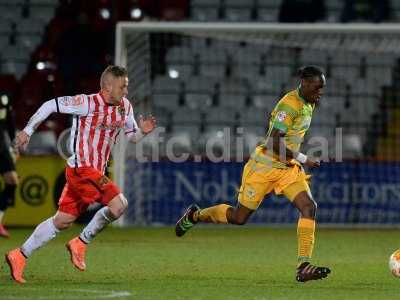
(212, 87)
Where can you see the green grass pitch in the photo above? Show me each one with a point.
(208, 263)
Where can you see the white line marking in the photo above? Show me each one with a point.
(103, 294)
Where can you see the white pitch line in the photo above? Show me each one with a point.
(97, 294)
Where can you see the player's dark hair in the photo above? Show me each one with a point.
(116, 71)
(310, 71)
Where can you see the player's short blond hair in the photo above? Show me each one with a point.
(115, 71)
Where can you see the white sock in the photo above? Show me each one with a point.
(1, 215)
(42, 234)
(101, 219)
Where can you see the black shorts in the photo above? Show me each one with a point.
(6, 160)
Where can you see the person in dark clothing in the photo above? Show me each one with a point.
(7, 159)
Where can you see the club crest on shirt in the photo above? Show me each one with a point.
(280, 116)
(121, 110)
(250, 192)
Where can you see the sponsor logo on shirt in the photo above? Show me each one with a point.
(71, 101)
(112, 126)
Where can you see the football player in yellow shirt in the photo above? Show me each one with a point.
(276, 166)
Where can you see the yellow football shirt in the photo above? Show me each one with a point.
(292, 115)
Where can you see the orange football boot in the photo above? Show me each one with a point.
(16, 260)
(77, 250)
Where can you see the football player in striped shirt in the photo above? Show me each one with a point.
(97, 121)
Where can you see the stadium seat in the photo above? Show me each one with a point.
(238, 14)
(15, 52)
(235, 101)
(213, 62)
(169, 101)
(259, 130)
(200, 84)
(365, 86)
(354, 114)
(5, 28)
(4, 40)
(347, 73)
(247, 55)
(195, 42)
(263, 85)
(220, 117)
(246, 71)
(333, 10)
(166, 84)
(335, 87)
(314, 57)
(332, 104)
(204, 14)
(28, 41)
(10, 14)
(254, 117)
(205, 3)
(181, 60)
(380, 60)
(43, 13)
(340, 58)
(180, 55)
(182, 71)
(31, 26)
(323, 116)
(204, 10)
(198, 101)
(246, 62)
(369, 103)
(381, 75)
(265, 102)
(278, 73)
(186, 115)
(233, 86)
(217, 71)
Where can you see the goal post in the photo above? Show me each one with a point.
(244, 68)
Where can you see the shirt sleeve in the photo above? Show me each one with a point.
(77, 105)
(284, 116)
(132, 130)
(74, 105)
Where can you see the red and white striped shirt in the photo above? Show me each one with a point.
(95, 126)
